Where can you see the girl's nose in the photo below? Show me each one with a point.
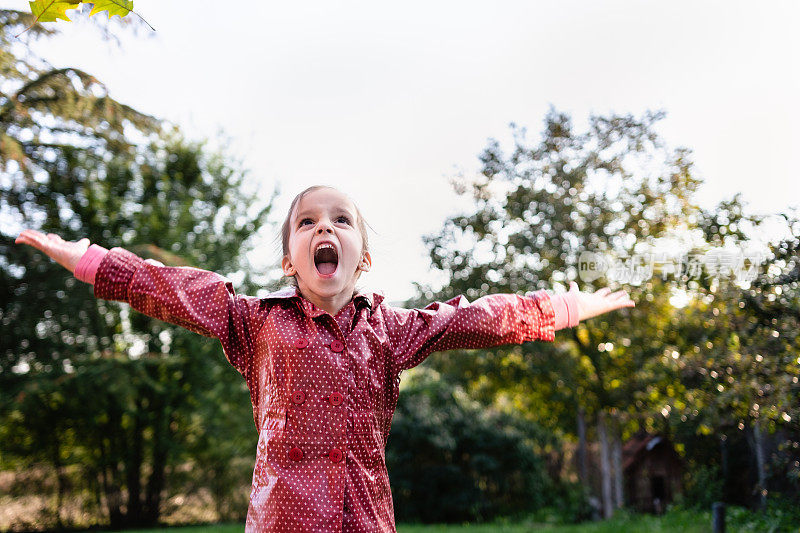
(324, 227)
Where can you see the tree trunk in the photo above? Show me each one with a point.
(162, 435)
(758, 438)
(133, 467)
(60, 478)
(619, 498)
(583, 469)
(605, 466)
(111, 489)
(723, 445)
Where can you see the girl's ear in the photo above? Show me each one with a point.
(287, 266)
(366, 262)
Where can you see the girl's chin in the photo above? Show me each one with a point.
(326, 291)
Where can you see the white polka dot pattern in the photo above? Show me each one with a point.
(323, 388)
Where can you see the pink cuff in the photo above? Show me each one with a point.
(86, 268)
(565, 306)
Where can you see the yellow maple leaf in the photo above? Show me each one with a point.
(112, 7)
(52, 10)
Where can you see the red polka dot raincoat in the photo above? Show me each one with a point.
(323, 388)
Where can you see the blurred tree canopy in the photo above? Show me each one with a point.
(115, 402)
(617, 189)
(537, 209)
(45, 110)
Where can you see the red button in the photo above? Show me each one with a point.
(336, 398)
(337, 346)
(301, 343)
(298, 397)
(336, 455)
(295, 454)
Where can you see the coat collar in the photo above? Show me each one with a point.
(370, 300)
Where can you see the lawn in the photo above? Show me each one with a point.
(675, 521)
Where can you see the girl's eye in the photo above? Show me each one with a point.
(343, 219)
(303, 222)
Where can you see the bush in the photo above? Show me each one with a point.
(703, 487)
(572, 501)
(451, 459)
(782, 513)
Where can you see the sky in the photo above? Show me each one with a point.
(389, 101)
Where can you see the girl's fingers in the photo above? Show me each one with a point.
(31, 237)
(625, 303)
(50, 246)
(603, 291)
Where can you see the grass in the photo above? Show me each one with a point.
(623, 522)
(673, 522)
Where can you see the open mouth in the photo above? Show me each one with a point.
(326, 259)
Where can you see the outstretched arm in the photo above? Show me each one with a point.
(491, 320)
(199, 300)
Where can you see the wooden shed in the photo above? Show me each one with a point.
(653, 472)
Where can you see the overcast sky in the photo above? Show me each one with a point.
(387, 101)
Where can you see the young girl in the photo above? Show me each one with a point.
(322, 361)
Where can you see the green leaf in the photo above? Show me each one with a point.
(52, 10)
(113, 7)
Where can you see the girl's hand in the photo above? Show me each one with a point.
(599, 302)
(65, 253)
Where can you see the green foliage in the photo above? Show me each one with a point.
(171, 197)
(725, 361)
(476, 462)
(735, 358)
(782, 513)
(46, 112)
(113, 416)
(703, 487)
(112, 404)
(535, 210)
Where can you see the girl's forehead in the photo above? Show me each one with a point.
(324, 199)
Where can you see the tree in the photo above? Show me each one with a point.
(737, 352)
(721, 361)
(613, 189)
(46, 110)
(85, 384)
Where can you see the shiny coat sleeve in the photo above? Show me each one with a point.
(491, 320)
(199, 300)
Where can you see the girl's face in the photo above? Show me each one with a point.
(325, 246)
